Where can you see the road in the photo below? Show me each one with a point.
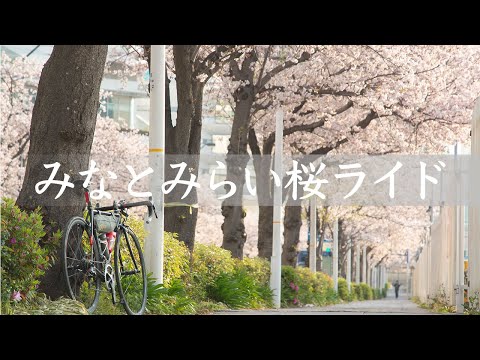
(387, 306)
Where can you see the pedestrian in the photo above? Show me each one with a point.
(396, 285)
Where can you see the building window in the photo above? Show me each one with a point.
(118, 109)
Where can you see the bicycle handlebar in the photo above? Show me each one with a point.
(125, 206)
(149, 204)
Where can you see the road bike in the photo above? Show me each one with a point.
(88, 246)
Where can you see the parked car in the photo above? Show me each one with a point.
(302, 258)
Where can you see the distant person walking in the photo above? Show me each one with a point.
(396, 285)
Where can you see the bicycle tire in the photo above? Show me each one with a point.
(74, 288)
(130, 290)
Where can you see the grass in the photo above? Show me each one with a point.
(43, 306)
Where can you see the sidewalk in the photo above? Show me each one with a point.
(387, 306)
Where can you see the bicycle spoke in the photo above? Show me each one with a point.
(131, 277)
(80, 271)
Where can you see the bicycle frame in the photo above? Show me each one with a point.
(122, 228)
(93, 236)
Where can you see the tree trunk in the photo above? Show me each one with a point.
(183, 144)
(323, 227)
(342, 249)
(265, 212)
(292, 225)
(265, 231)
(62, 129)
(234, 235)
(320, 232)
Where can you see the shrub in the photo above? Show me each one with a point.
(367, 292)
(353, 296)
(208, 262)
(384, 292)
(472, 307)
(358, 292)
(343, 289)
(311, 289)
(289, 286)
(439, 302)
(24, 259)
(301, 286)
(257, 267)
(239, 290)
(176, 259)
(259, 270)
(176, 256)
(168, 300)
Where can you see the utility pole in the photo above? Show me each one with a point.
(312, 258)
(349, 263)
(276, 260)
(364, 264)
(156, 160)
(335, 255)
(357, 264)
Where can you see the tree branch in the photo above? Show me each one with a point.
(278, 69)
(269, 142)
(362, 124)
(265, 59)
(253, 142)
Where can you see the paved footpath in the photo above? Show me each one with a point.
(387, 306)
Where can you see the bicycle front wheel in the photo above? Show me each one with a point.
(130, 272)
(80, 263)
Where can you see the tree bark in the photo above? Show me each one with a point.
(323, 221)
(265, 231)
(265, 212)
(234, 235)
(183, 144)
(342, 249)
(62, 128)
(292, 223)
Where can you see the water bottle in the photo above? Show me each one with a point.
(110, 236)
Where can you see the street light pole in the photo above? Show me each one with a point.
(364, 264)
(312, 260)
(276, 260)
(335, 255)
(156, 160)
(349, 264)
(408, 273)
(357, 264)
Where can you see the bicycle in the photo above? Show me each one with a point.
(87, 247)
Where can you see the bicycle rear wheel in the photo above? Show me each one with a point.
(130, 272)
(81, 264)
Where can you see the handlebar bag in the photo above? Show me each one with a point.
(106, 223)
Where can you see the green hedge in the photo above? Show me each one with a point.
(208, 279)
(343, 289)
(300, 287)
(176, 256)
(343, 292)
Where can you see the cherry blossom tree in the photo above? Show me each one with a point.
(18, 86)
(192, 66)
(62, 129)
(249, 76)
(357, 100)
(114, 145)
